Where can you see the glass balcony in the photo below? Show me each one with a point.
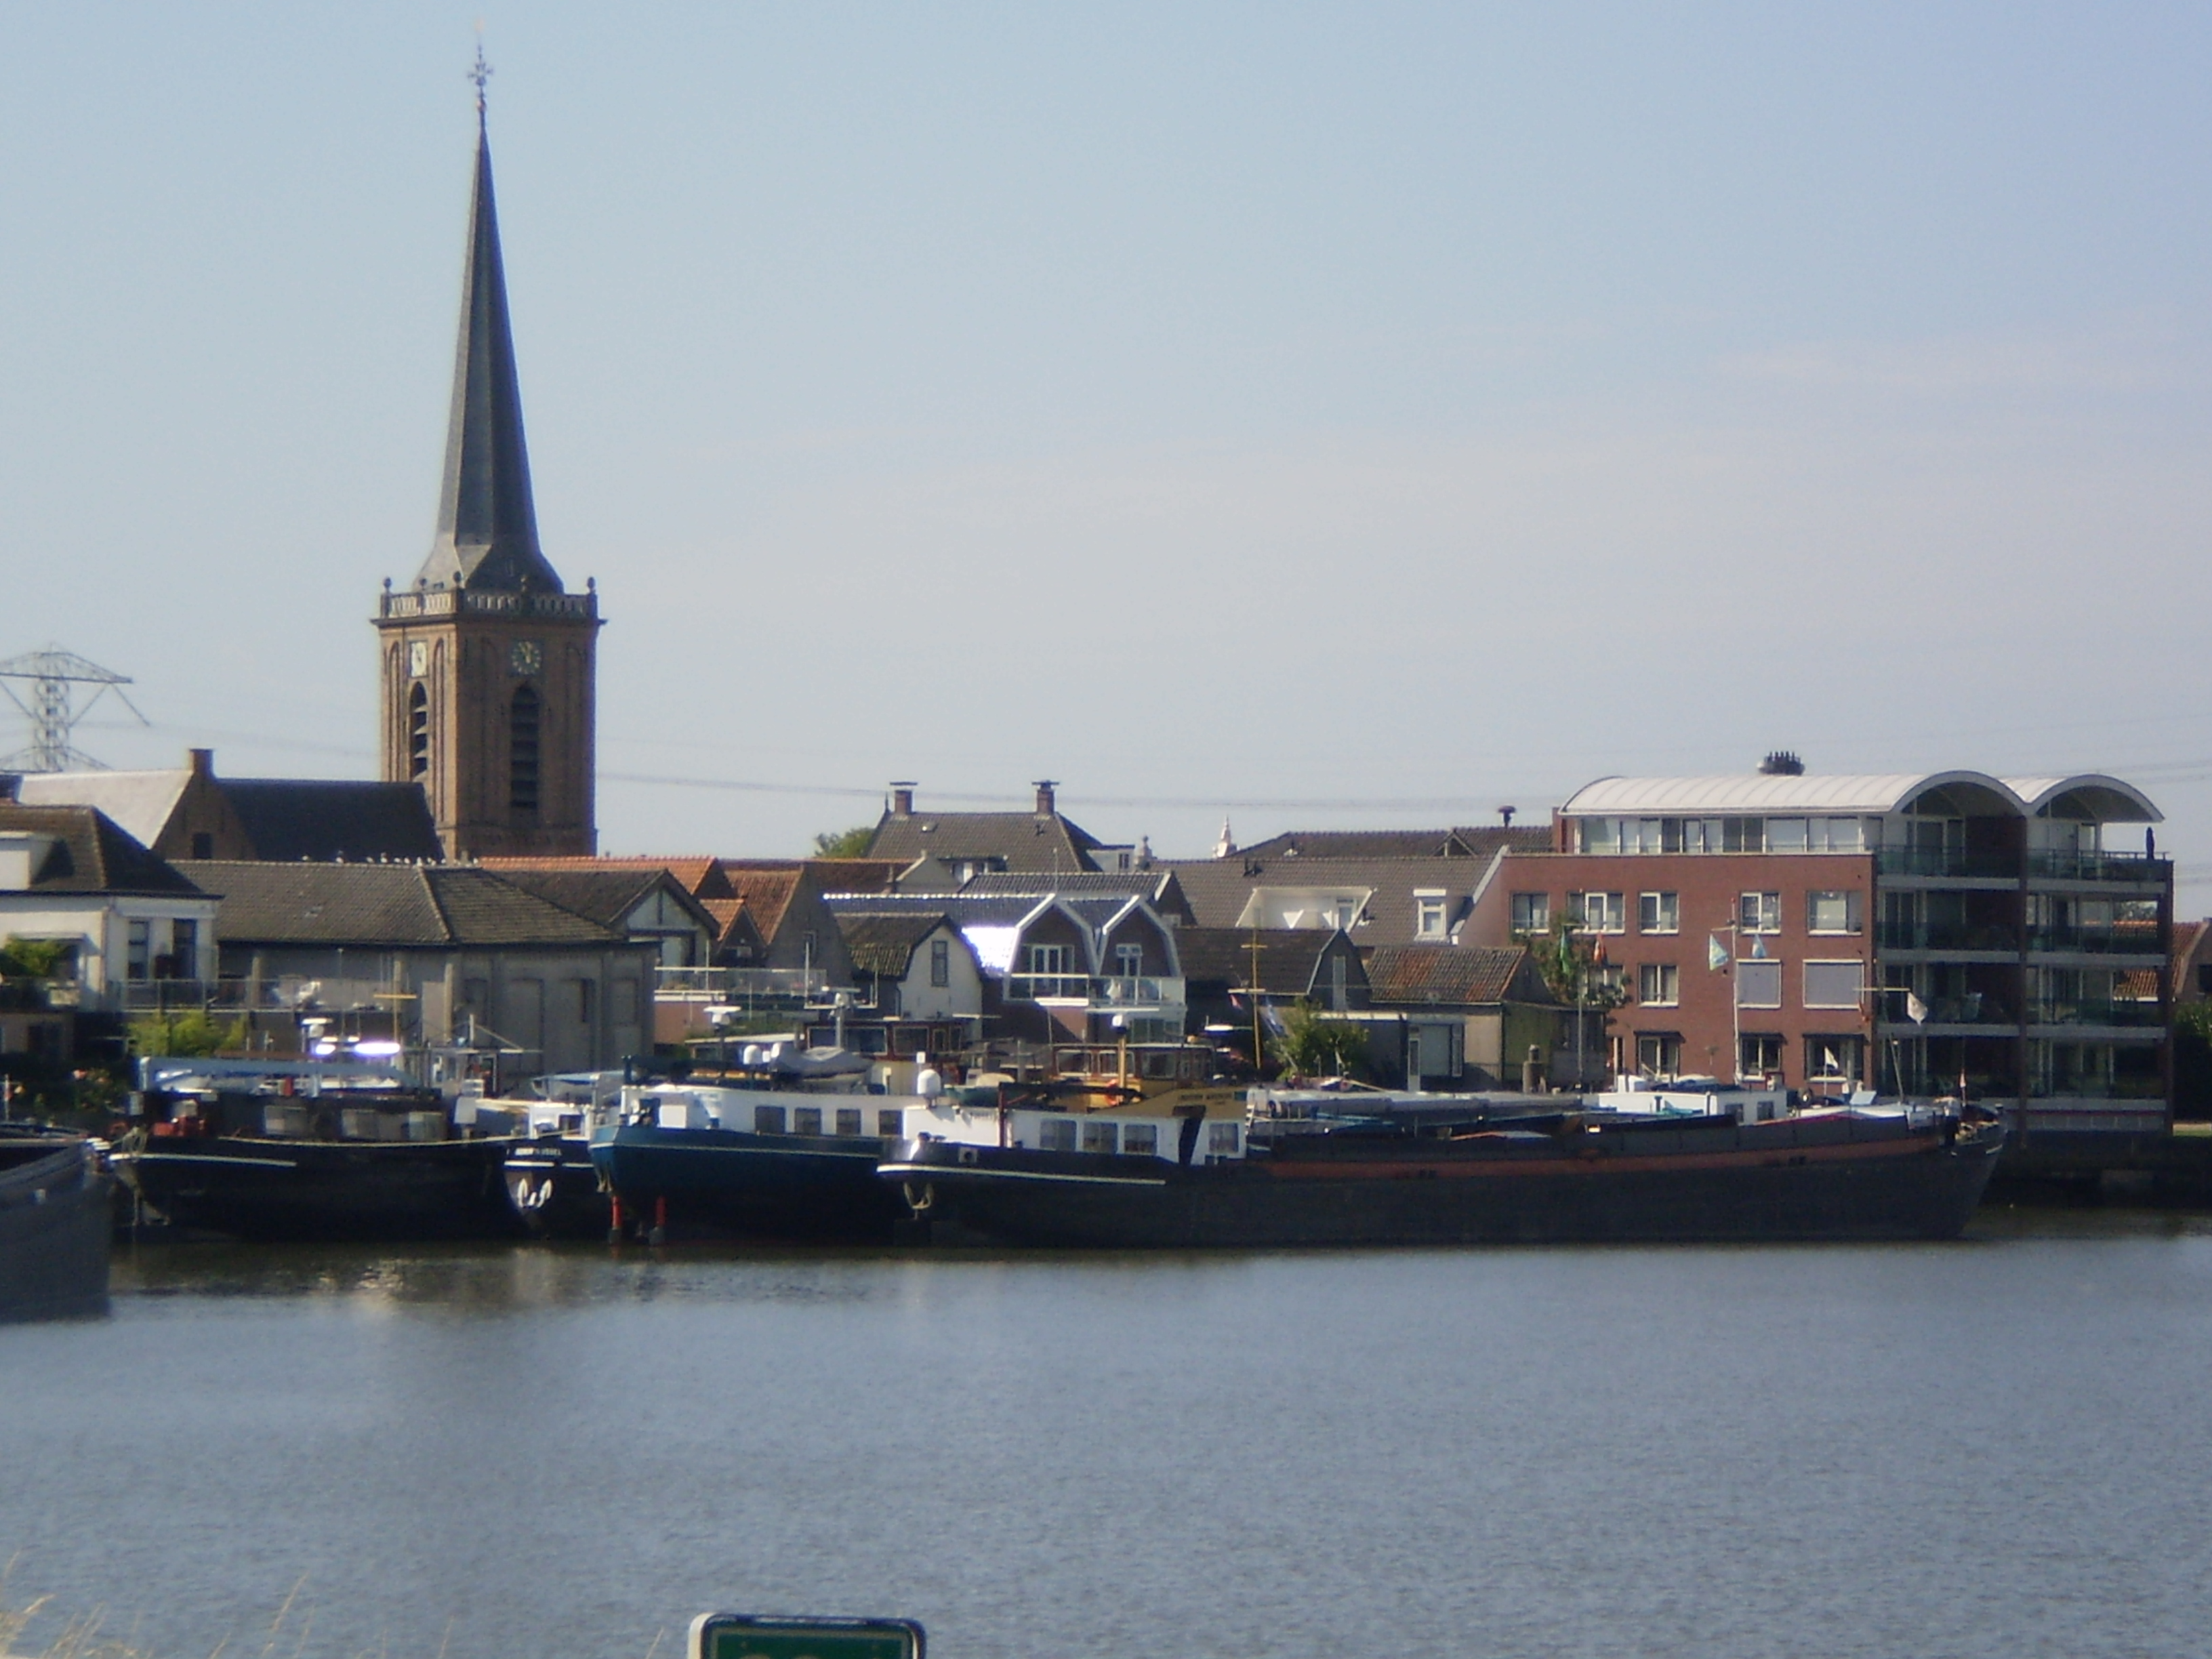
(1945, 936)
(2141, 868)
(2085, 1012)
(1946, 861)
(2096, 941)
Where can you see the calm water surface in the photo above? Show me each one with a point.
(1993, 1448)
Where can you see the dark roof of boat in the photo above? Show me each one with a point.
(91, 853)
(387, 905)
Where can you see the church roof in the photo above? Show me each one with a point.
(331, 819)
(487, 534)
(90, 853)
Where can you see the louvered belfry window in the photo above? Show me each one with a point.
(522, 724)
(418, 732)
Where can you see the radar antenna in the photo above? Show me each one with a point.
(51, 709)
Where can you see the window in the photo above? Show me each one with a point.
(203, 844)
(1603, 913)
(1052, 959)
(1601, 835)
(1141, 1140)
(1835, 912)
(1221, 1141)
(807, 1119)
(185, 948)
(1831, 984)
(1757, 984)
(1100, 1137)
(1347, 912)
(940, 963)
(888, 1124)
(418, 732)
(1762, 1055)
(1659, 913)
(1658, 984)
(1428, 915)
(522, 723)
(1658, 1053)
(139, 959)
(849, 1120)
(1057, 1134)
(1128, 960)
(587, 1001)
(767, 1119)
(1532, 913)
(1759, 913)
(1840, 1058)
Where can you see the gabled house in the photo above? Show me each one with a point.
(940, 851)
(1469, 1017)
(139, 931)
(912, 965)
(642, 902)
(189, 812)
(430, 955)
(1378, 901)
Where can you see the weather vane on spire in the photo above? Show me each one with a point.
(480, 72)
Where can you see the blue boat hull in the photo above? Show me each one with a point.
(727, 1183)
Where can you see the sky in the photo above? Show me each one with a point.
(1310, 415)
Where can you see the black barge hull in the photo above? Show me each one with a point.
(55, 1224)
(1769, 1183)
(730, 1184)
(316, 1191)
(555, 1191)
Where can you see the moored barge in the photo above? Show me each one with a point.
(55, 1208)
(1204, 1171)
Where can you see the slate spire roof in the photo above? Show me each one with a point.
(487, 522)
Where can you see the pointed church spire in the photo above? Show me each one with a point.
(487, 523)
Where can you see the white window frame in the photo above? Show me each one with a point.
(1537, 909)
(1658, 912)
(1611, 915)
(1765, 908)
(1659, 985)
(1430, 913)
(1854, 911)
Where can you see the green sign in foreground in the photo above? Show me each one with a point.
(745, 1636)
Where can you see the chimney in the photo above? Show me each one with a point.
(1505, 816)
(1782, 763)
(202, 762)
(901, 798)
(1044, 788)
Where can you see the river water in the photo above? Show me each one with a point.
(1992, 1448)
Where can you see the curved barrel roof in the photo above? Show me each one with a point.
(2107, 799)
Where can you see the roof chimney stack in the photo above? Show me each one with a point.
(901, 798)
(1782, 763)
(1044, 788)
(203, 762)
(1505, 816)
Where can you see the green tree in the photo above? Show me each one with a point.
(2192, 1061)
(33, 958)
(1314, 1045)
(1567, 959)
(190, 1034)
(845, 844)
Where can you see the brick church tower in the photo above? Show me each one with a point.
(489, 662)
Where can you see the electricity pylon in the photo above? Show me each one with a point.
(51, 709)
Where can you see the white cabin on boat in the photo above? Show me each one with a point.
(1153, 1127)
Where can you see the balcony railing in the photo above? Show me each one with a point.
(2096, 941)
(446, 601)
(1946, 861)
(2141, 868)
(1942, 936)
(2098, 1088)
(2089, 1012)
(1099, 990)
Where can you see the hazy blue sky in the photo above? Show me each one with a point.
(1327, 415)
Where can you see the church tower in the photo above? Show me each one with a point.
(489, 662)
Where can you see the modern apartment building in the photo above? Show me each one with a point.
(1950, 930)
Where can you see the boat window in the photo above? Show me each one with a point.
(807, 1119)
(1057, 1134)
(1141, 1140)
(887, 1122)
(767, 1119)
(1221, 1141)
(849, 1120)
(1100, 1137)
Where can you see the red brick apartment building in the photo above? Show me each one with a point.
(1835, 932)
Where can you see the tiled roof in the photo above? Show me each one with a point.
(885, 944)
(700, 876)
(1476, 842)
(1021, 840)
(844, 875)
(1218, 889)
(1442, 974)
(387, 905)
(91, 853)
(324, 818)
(1160, 886)
(608, 897)
(140, 803)
(1288, 957)
(768, 893)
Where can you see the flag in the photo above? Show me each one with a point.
(1915, 1009)
(1757, 948)
(1717, 955)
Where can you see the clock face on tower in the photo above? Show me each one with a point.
(525, 657)
(418, 658)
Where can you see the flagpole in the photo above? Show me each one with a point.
(1735, 997)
